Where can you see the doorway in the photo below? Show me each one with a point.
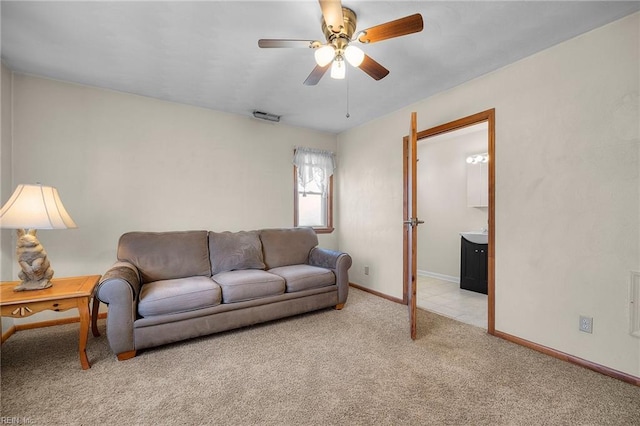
(488, 118)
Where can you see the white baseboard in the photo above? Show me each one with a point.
(439, 276)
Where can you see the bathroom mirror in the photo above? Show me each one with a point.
(478, 180)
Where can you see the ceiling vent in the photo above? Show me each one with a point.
(266, 116)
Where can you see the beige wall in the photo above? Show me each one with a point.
(6, 243)
(123, 162)
(442, 199)
(567, 198)
(6, 188)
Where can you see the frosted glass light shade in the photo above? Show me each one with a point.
(354, 55)
(35, 207)
(338, 69)
(324, 55)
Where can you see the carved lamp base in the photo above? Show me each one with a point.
(33, 285)
(36, 271)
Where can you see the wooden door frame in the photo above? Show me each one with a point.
(489, 117)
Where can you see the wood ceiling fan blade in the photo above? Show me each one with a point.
(316, 75)
(280, 42)
(332, 13)
(400, 27)
(373, 68)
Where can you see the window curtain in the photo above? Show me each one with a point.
(315, 166)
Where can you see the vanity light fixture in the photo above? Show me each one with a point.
(477, 159)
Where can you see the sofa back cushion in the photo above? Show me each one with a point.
(232, 251)
(166, 255)
(291, 246)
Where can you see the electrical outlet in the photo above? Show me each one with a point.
(366, 270)
(586, 324)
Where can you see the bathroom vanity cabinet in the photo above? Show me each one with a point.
(473, 266)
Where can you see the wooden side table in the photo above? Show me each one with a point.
(66, 293)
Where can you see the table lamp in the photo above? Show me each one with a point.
(33, 207)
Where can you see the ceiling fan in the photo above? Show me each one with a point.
(339, 27)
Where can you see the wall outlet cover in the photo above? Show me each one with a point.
(586, 324)
(634, 304)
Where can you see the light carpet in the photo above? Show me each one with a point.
(355, 366)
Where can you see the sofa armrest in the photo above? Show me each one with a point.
(119, 288)
(339, 263)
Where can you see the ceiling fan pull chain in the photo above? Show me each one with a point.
(348, 115)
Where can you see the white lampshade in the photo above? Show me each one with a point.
(338, 69)
(354, 55)
(35, 207)
(324, 54)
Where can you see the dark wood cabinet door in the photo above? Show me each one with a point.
(473, 266)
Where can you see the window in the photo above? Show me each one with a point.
(313, 189)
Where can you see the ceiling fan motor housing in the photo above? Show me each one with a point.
(340, 39)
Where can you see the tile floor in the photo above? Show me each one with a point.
(446, 298)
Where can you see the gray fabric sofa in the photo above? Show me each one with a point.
(171, 286)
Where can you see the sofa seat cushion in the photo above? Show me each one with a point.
(249, 284)
(304, 277)
(179, 295)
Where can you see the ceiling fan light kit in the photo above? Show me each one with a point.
(339, 26)
(354, 55)
(325, 54)
(338, 69)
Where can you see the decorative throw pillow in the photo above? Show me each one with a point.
(235, 250)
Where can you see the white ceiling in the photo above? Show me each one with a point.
(206, 54)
